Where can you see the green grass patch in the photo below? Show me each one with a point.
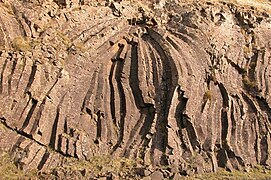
(257, 173)
(99, 166)
(9, 171)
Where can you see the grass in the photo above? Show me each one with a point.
(99, 166)
(66, 41)
(102, 166)
(80, 46)
(9, 171)
(248, 83)
(69, 43)
(21, 44)
(207, 95)
(2, 126)
(257, 173)
(247, 50)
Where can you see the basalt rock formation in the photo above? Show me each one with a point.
(182, 85)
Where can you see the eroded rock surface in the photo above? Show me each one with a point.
(180, 85)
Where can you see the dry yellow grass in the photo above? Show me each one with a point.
(21, 44)
(96, 166)
(257, 173)
(208, 95)
(9, 171)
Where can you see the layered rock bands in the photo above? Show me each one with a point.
(173, 84)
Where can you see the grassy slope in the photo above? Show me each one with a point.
(258, 173)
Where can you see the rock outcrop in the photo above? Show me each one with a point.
(185, 86)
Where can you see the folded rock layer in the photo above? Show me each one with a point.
(172, 84)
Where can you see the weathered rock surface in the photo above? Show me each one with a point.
(183, 85)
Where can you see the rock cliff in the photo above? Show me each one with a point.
(183, 85)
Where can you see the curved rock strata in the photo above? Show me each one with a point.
(185, 86)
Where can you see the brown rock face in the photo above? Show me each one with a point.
(186, 86)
